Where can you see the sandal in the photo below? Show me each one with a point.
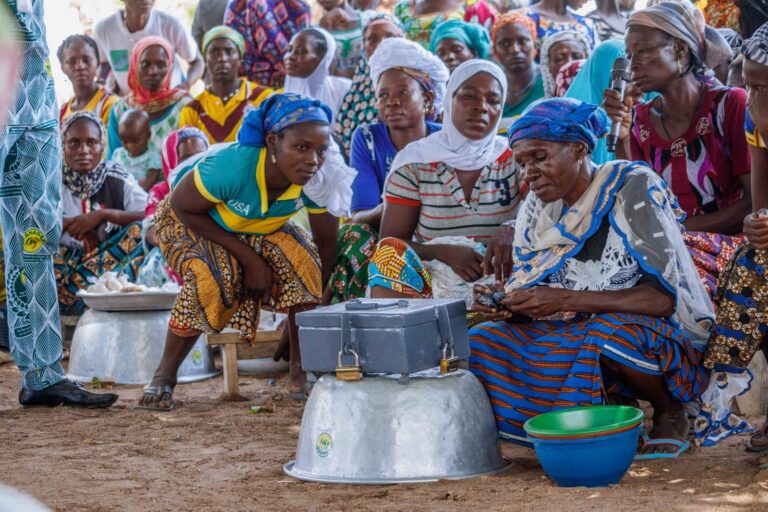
(762, 436)
(682, 447)
(159, 392)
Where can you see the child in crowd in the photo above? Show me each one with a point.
(134, 156)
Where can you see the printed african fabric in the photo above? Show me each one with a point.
(397, 267)
(30, 156)
(357, 107)
(711, 252)
(221, 121)
(267, 27)
(720, 13)
(354, 250)
(349, 46)
(528, 369)
(546, 27)
(160, 127)
(701, 166)
(212, 296)
(419, 28)
(75, 268)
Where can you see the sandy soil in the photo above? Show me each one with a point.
(208, 455)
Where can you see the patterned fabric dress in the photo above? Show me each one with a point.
(267, 27)
(357, 107)
(546, 27)
(702, 167)
(30, 156)
(419, 28)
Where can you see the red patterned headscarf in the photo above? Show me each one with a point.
(514, 17)
(142, 98)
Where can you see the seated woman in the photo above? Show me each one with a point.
(308, 62)
(149, 82)
(557, 51)
(553, 16)
(359, 104)
(514, 46)
(597, 299)
(456, 41)
(102, 206)
(79, 59)
(410, 84)
(228, 236)
(741, 325)
(449, 196)
(691, 134)
(219, 110)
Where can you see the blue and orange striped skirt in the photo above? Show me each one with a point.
(532, 368)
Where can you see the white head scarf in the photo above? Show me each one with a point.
(397, 52)
(449, 145)
(550, 82)
(320, 84)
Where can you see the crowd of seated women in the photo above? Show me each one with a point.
(448, 149)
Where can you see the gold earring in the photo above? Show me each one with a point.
(272, 157)
(679, 66)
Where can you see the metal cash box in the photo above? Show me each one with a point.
(383, 335)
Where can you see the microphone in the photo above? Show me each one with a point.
(619, 78)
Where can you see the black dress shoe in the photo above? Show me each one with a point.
(65, 393)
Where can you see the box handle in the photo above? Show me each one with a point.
(360, 305)
(444, 326)
(348, 344)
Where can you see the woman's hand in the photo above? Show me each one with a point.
(490, 314)
(498, 254)
(756, 229)
(536, 302)
(257, 277)
(465, 261)
(619, 110)
(79, 226)
(90, 242)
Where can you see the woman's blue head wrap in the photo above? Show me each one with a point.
(279, 112)
(475, 36)
(561, 120)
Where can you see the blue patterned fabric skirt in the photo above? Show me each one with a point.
(532, 368)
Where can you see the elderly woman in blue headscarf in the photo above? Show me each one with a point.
(227, 233)
(603, 298)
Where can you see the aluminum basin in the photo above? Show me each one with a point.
(126, 347)
(383, 431)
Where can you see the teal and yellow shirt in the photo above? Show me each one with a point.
(754, 137)
(233, 178)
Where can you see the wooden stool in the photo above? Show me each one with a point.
(229, 342)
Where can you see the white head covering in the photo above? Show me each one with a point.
(320, 84)
(397, 52)
(550, 82)
(449, 145)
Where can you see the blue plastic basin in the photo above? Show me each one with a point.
(590, 462)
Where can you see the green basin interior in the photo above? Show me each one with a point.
(583, 420)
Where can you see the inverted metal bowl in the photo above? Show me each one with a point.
(382, 430)
(129, 301)
(125, 347)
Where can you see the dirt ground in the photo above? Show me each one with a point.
(213, 456)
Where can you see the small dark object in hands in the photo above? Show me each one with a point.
(492, 301)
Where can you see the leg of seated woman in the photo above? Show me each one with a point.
(669, 419)
(175, 350)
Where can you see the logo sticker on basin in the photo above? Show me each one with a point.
(197, 357)
(324, 444)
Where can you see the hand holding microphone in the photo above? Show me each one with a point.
(618, 107)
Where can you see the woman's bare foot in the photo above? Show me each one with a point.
(159, 393)
(672, 424)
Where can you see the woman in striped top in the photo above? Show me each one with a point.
(449, 195)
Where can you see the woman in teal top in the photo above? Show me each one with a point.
(225, 231)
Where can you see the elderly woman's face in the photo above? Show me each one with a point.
(564, 52)
(550, 169)
(83, 146)
(153, 67)
(302, 55)
(300, 150)
(514, 48)
(477, 105)
(453, 52)
(401, 100)
(375, 34)
(654, 58)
